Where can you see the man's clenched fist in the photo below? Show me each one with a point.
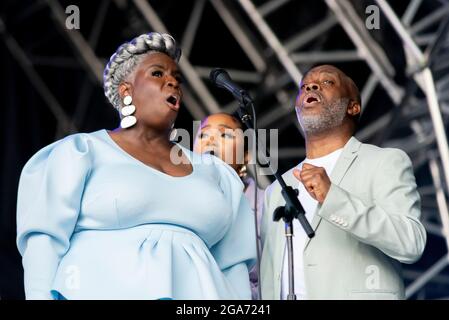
(315, 180)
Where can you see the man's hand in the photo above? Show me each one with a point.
(315, 180)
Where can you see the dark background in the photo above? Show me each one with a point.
(28, 123)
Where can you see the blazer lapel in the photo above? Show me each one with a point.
(341, 167)
(344, 162)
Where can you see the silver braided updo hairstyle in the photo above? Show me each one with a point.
(129, 55)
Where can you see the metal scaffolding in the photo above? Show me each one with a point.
(276, 62)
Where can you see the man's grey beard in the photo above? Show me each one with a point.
(332, 116)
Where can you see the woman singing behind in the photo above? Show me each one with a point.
(113, 214)
(222, 135)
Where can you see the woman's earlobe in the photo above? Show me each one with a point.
(124, 89)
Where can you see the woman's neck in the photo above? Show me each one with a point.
(144, 136)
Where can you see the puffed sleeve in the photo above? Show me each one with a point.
(236, 252)
(49, 195)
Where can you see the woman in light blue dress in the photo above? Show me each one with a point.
(127, 214)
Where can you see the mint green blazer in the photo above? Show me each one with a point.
(367, 225)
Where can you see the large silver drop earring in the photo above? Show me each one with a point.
(128, 119)
(173, 134)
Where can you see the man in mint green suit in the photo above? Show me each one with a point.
(360, 199)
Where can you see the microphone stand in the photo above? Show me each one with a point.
(292, 209)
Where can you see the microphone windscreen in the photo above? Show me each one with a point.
(215, 73)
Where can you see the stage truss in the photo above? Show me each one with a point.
(419, 94)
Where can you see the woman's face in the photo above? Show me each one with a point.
(222, 135)
(156, 92)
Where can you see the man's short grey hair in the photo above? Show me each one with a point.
(124, 61)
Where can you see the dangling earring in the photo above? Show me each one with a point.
(127, 111)
(173, 134)
(243, 172)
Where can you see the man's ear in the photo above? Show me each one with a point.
(354, 108)
(124, 89)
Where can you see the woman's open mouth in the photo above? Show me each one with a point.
(173, 101)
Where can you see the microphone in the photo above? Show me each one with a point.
(221, 79)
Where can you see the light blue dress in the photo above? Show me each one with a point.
(93, 222)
